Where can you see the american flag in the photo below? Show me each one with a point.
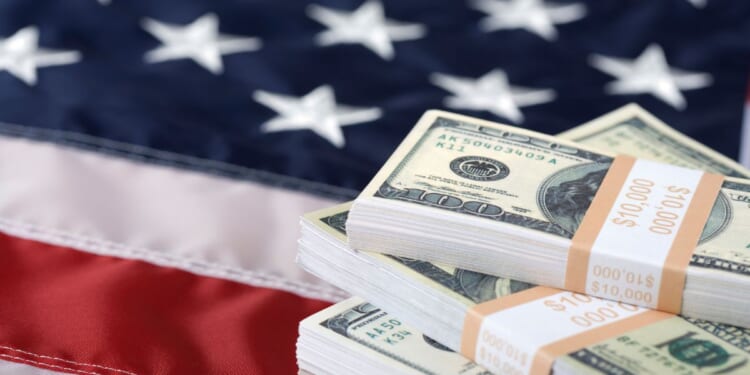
(155, 155)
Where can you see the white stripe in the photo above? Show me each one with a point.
(745, 143)
(209, 225)
(141, 153)
(14, 368)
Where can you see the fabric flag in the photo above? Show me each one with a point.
(745, 145)
(155, 156)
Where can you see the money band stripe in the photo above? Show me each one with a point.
(671, 278)
(673, 274)
(593, 221)
(546, 355)
(475, 315)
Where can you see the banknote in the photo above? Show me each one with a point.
(546, 184)
(672, 346)
(368, 330)
(467, 287)
(676, 345)
(633, 131)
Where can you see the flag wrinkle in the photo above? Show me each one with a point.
(102, 247)
(8, 367)
(45, 365)
(42, 357)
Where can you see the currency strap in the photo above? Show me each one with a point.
(636, 239)
(523, 333)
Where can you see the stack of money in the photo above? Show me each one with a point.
(435, 298)
(356, 337)
(507, 202)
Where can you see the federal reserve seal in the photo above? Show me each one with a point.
(479, 168)
(699, 353)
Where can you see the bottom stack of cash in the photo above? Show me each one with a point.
(435, 299)
(356, 337)
(417, 289)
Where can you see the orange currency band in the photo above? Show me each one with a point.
(680, 252)
(678, 259)
(545, 356)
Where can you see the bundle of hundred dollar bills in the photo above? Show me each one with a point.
(356, 337)
(427, 303)
(438, 299)
(513, 203)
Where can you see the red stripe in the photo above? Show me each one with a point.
(65, 309)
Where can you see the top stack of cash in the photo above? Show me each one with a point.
(506, 201)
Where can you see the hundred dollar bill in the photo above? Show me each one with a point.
(676, 345)
(356, 332)
(633, 131)
(479, 172)
(465, 287)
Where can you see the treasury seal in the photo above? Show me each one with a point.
(479, 168)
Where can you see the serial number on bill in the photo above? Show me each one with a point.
(453, 143)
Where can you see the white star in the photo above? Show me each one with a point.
(316, 111)
(650, 73)
(200, 41)
(532, 15)
(698, 3)
(367, 25)
(490, 92)
(20, 55)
